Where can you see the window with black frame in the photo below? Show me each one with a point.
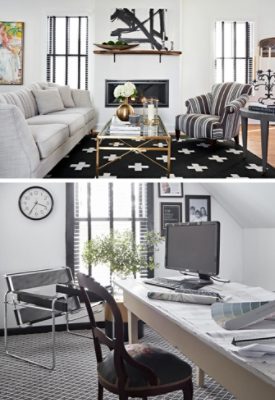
(234, 52)
(67, 56)
(100, 208)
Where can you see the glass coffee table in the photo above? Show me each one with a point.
(151, 139)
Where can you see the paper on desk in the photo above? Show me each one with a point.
(256, 350)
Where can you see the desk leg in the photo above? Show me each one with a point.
(244, 134)
(264, 138)
(132, 327)
(200, 377)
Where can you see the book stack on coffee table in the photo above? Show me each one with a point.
(264, 108)
(118, 127)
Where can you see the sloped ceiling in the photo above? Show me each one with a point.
(252, 205)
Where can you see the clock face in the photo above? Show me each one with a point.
(36, 203)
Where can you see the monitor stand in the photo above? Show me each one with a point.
(196, 283)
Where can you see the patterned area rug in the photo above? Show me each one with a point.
(75, 375)
(190, 159)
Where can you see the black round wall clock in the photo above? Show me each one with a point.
(36, 203)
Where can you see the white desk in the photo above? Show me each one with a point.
(191, 329)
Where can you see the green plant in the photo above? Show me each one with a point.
(119, 250)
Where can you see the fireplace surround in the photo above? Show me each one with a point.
(158, 88)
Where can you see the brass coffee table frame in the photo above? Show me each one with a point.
(142, 148)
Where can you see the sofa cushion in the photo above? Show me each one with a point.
(23, 99)
(49, 137)
(87, 113)
(48, 100)
(74, 121)
(66, 96)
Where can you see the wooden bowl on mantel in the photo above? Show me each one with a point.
(116, 46)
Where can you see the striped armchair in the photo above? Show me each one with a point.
(215, 115)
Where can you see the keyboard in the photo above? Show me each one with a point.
(178, 286)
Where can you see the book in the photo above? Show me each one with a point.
(266, 110)
(240, 315)
(183, 297)
(124, 132)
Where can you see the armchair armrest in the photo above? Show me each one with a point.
(233, 107)
(199, 104)
(81, 98)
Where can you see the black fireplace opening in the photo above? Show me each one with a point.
(158, 89)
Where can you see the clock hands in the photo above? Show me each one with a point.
(35, 204)
(42, 205)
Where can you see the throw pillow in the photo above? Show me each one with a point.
(66, 96)
(48, 101)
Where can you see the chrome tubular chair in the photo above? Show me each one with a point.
(32, 307)
(136, 370)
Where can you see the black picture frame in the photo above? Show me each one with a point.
(170, 213)
(198, 202)
(170, 189)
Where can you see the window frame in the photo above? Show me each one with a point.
(52, 55)
(70, 219)
(248, 51)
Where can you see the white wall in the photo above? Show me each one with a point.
(231, 252)
(259, 257)
(26, 244)
(198, 21)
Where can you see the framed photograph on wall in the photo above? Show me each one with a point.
(11, 53)
(197, 208)
(170, 213)
(170, 189)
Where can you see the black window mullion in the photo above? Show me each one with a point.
(235, 50)
(79, 51)
(54, 49)
(86, 55)
(222, 51)
(247, 52)
(67, 49)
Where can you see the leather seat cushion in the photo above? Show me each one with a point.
(49, 137)
(168, 367)
(74, 121)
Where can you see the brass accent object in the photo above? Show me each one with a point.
(124, 110)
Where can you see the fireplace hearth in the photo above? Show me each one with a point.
(158, 89)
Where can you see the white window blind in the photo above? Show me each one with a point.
(234, 52)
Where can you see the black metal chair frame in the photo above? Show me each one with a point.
(121, 356)
(57, 305)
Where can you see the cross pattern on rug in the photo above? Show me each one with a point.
(217, 158)
(89, 150)
(188, 158)
(138, 167)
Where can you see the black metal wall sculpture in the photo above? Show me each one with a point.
(146, 27)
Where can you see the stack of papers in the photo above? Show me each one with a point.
(123, 127)
(256, 350)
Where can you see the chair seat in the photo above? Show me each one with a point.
(170, 369)
(201, 126)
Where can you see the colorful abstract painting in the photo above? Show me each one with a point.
(11, 53)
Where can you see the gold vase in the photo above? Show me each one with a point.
(124, 110)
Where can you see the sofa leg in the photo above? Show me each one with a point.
(177, 134)
(237, 140)
(212, 142)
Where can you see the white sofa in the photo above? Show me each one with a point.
(31, 144)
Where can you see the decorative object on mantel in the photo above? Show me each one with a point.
(116, 45)
(123, 93)
(140, 26)
(267, 80)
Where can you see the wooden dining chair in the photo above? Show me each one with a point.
(134, 370)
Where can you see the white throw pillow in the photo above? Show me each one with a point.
(48, 100)
(66, 96)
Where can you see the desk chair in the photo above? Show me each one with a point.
(30, 306)
(135, 370)
(215, 115)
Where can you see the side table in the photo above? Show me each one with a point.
(264, 119)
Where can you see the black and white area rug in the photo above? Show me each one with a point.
(75, 376)
(190, 159)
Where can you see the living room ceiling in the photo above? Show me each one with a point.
(252, 205)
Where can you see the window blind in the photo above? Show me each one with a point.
(234, 52)
(99, 208)
(67, 56)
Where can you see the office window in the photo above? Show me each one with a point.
(99, 208)
(234, 52)
(67, 57)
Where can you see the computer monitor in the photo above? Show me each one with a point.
(194, 248)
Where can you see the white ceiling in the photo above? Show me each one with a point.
(252, 205)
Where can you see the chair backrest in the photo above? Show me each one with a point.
(39, 278)
(116, 344)
(224, 93)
